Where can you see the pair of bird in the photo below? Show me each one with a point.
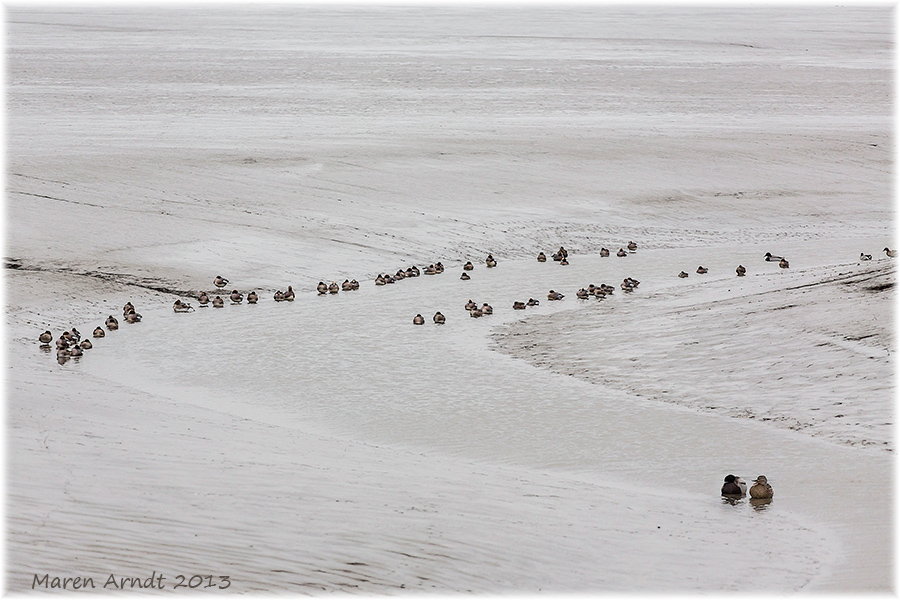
(735, 486)
(438, 318)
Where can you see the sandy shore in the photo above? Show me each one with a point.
(328, 444)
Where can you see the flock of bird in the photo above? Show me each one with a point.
(70, 345)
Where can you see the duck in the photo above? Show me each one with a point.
(203, 299)
(279, 296)
(418, 320)
(551, 295)
(468, 266)
(180, 306)
(133, 318)
(771, 258)
(784, 264)
(75, 352)
(220, 281)
(388, 279)
(400, 274)
(465, 276)
(62, 353)
(128, 308)
(62, 343)
(632, 281)
(741, 271)
(632, 246)
(682, 274)
(604, 252)
(761, 488)
(734, 486)
(76, 335)
(626, 286)
(415, 271)
(45, 338)
(86, 345)
(564, 261)
(541, 257)
(218, 302)
(621, 253)
(490, 261)
(556, 256)
(99, 333)
(563, 253)
(865, 256)
(471, 305)
(378, 281)
(354, 284)
(438, 267)
(582, 294)
(476, 312)
(323, 289)
(111, 323)
(701, 269)
(439, 318)
(252, 297)
(430, 270)
(532, 302)
(518, 306)
(333, 288)
(487, 309)
(346, 286)
(236, 297)
(890, 253)
(289, 294)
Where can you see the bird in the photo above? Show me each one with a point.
(111, 323)
(128, 308)
(180, 306)
(236, 297)
(279, 296)
(430, 270)
(865, 256)
(632, 246)
(418, 320)
(541, 257)
(701, 269)
(354, 284)
(323, 289)
(289, 294)
(682, 274)
(487, 309)
(563, 253)
(346, 286)
(203, 299)
(771, 258)
(734, 486)
(890, 253)
(218, 302)
(621, 252)
(378, 281)
(564, 261)
(741, 271)
(582, 294)
(465, 276)
(252, 297)
(784, 264)
(333, 288)
(604, 252)
(518, 306)
(133, 318)
(471, 305)
(220, 281)
(468, 266)
(551, 295)
(86, 345)
(532, 302)
(490, 261)
(439, 318)
(45, 338)
(99, 333)
(476, 312)
(75, 352)
(761, 488)
(438, 267)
